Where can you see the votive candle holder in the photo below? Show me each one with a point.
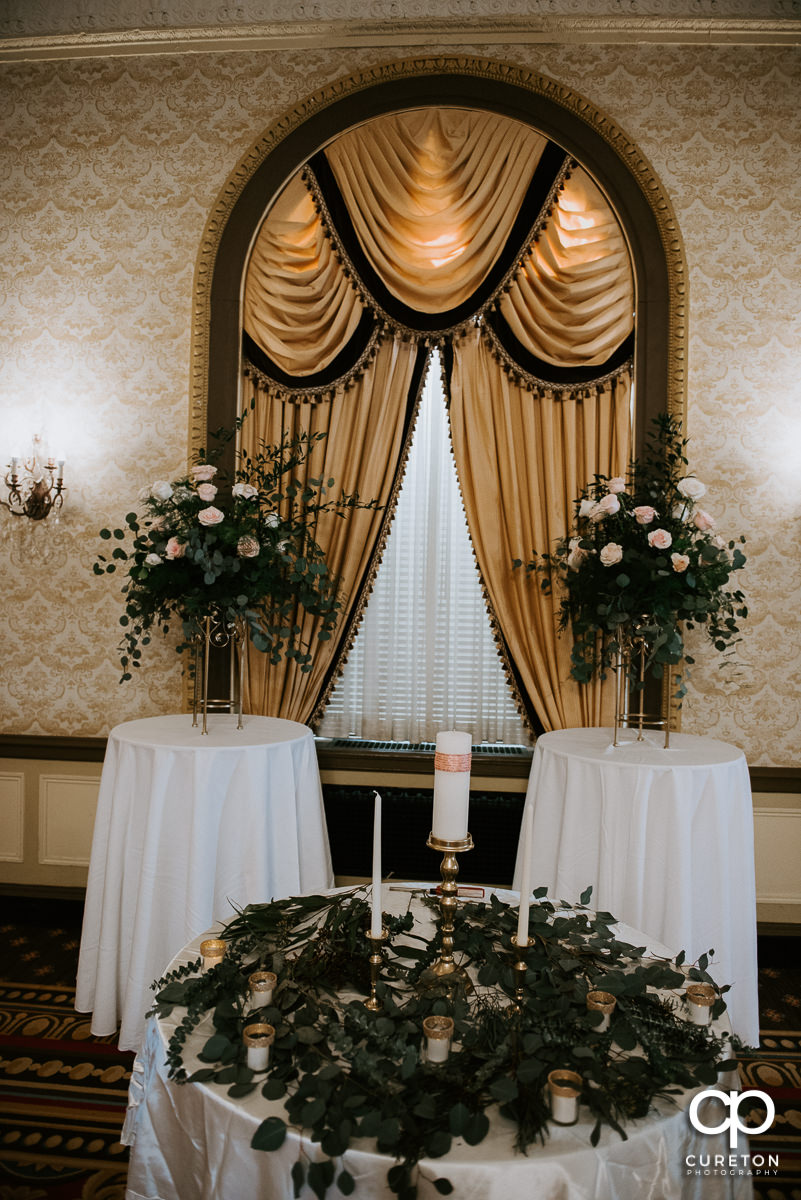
(699, 998)
(603, 1002)
(212, 951)
(438, 1033)
(564, 1088)
(258, 1039)
(261, 986)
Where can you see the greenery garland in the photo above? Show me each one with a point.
(344, 1072)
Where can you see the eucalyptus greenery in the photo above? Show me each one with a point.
(644, 561)
(343, 1072)
(241, 548)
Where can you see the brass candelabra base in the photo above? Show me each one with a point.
(446, 967)
(375, 960)
(519, 968)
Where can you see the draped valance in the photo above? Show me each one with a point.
(472, 231)
(422, 224)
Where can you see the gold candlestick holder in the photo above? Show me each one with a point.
(519, 967)
(448, 903)
(375, 960)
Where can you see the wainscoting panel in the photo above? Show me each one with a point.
(67, 806)
(12, 816)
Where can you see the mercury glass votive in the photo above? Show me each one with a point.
(603, 1002)
(699, 998)
(564, 1088)
(438, 1033)
(212, 951)
(261, 986)
(258, 1039)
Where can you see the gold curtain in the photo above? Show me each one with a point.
(572, 301)
(299, 306)
(433, 195)
(522, 459)
(362, 450)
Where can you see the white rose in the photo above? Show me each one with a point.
(691, 487)
(610, 554)
(161, 490)
(246, 490)
(616, 485)
(153, 560)
(586, 507)
(272, 520)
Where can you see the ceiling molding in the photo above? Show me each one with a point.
(294, 35)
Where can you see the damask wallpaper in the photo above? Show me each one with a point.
(111, 167)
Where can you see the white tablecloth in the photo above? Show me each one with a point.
(665, 837)
(193, 1140)
(187, 827)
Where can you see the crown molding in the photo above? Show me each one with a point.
(294, 35)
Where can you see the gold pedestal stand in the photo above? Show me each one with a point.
(635, 645)
(375, 960)
(445, 967)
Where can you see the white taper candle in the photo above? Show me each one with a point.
(525, 878)
(376, 919)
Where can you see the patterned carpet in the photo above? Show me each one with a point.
(63, 1092)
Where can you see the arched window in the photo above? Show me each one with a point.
(462, 221)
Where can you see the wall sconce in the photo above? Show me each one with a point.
(35, 487)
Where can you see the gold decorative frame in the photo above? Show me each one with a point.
(642, 174)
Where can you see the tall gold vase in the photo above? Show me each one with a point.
(216, 631)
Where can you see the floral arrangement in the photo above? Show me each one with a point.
(342, 1073)
(239, 547)
(644, 559)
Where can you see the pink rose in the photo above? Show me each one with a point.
(660, 539)
(680, 562)
(618, 484)
(610, 554)
(702, 520)
(605, 507)
(203, 472)
(206, 491)
(174, 548)
(247, 547)
(210, 516)
(644, 514)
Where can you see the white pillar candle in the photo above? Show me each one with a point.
(212, 951)
(527, 833)
(451, 786)
(376, 919)
(700, 997)
(564, 1088)
(259, 1040)
(262, 985)
(438, 1033)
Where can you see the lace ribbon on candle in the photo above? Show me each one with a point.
(452, 762)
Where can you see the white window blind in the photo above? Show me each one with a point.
(424, 658)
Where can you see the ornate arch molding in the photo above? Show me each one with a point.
(563, 115)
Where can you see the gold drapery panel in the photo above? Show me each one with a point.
(469, 229)
(572, 301)
(367, 434)
(299, 307)
(433, 195)
(522, 460)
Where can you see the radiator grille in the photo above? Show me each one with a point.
(422, 747)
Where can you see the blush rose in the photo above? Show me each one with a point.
(660, 539)
(610, 554)
(691, 487)
(203, 472)
(174, 548)
(680, 562)
(210, 516)
(644, 514)
(206, 491)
